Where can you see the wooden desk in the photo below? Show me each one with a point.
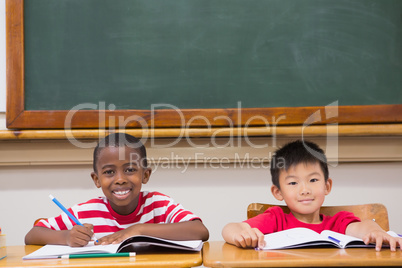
(221, 254)
(15, 254)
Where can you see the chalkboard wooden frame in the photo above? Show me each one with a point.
(19, 118)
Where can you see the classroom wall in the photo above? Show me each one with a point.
(217, 194)
(369, 171)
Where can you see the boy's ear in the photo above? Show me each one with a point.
(95, 179)
(276, 192)
(328, 186)
(147, 175)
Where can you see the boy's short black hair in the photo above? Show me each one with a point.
(294, 153)
(121, 140)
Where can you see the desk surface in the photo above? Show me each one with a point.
(15, 254)
(221, 254)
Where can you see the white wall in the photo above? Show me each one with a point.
(218, 196)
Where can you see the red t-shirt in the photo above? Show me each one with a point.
(275, 220)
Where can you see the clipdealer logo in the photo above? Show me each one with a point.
(332, 136)
(329, 113)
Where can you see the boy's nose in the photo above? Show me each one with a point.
(305, 190)
(120, 178)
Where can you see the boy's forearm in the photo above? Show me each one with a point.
(190, 230)
(43, 236)
(360, 229)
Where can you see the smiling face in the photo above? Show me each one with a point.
(120, 175)
(303, 187)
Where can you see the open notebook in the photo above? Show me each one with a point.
(131, 244)
(303, 237)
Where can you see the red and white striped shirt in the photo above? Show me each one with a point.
(153, 207)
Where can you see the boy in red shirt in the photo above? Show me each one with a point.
(300, 177)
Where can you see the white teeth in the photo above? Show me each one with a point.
(122, 192)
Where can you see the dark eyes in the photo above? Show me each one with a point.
(295, 183)
(127, 170)
(131, 170)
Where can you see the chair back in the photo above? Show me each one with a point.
(37, 220)
(377, 212)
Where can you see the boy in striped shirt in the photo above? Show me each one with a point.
(120, 169)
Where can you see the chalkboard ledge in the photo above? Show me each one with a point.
(279, 131)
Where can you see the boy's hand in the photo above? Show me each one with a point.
(380, 237)
(249, 238)
(242, 235)
(119, 236)
(114, 238)
(79, 236)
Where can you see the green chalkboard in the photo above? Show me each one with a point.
(212, 53)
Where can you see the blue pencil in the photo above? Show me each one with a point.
(71, 216)
(334, 239)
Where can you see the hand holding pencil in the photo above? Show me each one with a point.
(80, 234)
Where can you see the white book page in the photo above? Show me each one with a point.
(54, 251)
(290, 237)
(344, 239)
(392, 233)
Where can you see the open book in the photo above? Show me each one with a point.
(303, 237)
(132, 244)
